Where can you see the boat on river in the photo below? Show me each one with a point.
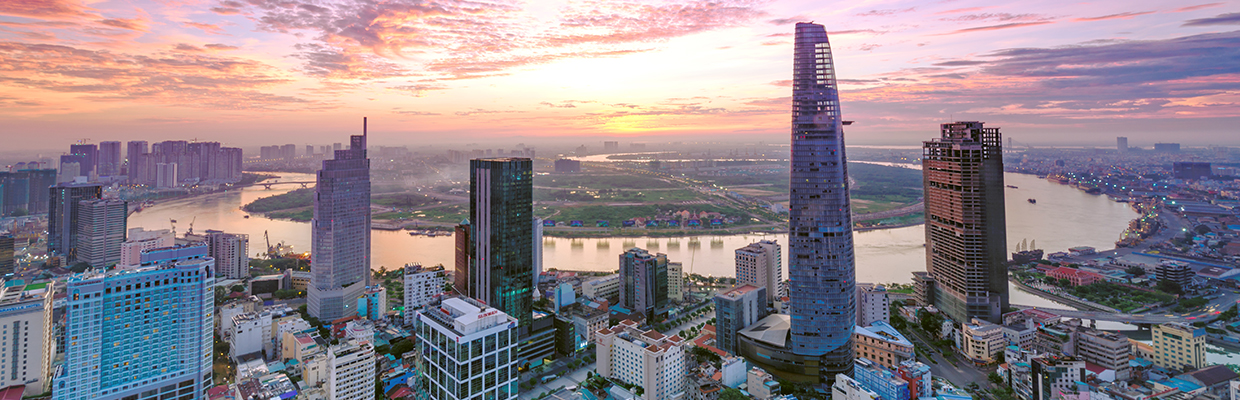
(1033, 201)
(1013, 186)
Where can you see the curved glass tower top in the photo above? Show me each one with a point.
(820, 258)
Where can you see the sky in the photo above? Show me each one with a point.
(257, 72)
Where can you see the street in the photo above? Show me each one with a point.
(959, 375)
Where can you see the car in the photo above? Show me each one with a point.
(1191, 318)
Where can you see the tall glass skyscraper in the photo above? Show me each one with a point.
(820, 254)
(140, 333)
(501, 211)
(340, 233)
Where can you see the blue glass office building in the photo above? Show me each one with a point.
(820, 254)
(501, 215)
(140, 333)
(340, 233)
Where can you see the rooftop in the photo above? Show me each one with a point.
(883, 331)
(738, 291)
(772, 330)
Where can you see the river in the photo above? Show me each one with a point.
(1063, 217)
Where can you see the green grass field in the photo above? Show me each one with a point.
(602, 182)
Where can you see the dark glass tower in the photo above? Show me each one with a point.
(62, 215)
(340, 233)
(820, 254)
(501, 206)
(643, 282)
(966, 228)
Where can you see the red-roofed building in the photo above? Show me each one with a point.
(1075, 276)
(12, 392)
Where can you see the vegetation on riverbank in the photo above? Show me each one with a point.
(284, 201)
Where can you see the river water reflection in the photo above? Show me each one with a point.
(1062, 217)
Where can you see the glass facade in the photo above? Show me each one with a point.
(143, 333)
(644, 282)
(501, 208)
(820, 257)
(340, 233)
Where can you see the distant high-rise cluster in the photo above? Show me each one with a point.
(176, 162)
(23, 189)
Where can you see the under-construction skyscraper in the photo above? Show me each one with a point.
(966, 230)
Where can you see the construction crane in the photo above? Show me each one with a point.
(270, 250)
(173, 222)
(191, 226)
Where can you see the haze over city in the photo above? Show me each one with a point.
(249, 73)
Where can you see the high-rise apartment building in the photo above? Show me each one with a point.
(643, 358)
(340, 232)
(90, 157)
(1055, 377)
(873, 305)
(133, 150)
(110, 160)
(966, 228)
(140, 333)
(643, 282)
(820, 254)
(62, 216)
(736, 309)
(501, 210)
(1121, 144)
(1179, 345)
(480, 363)
(675, 281)
(100, 231)
(1174, 271)
(24, 190)
(421, 286)
(203, 162)
(26, 318)
(231, 252)
(760, 264)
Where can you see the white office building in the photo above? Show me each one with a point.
(139, 239)
(26, 344)
(643, 358)
(873, 305)
(602, 288)
(468, 351)
(759, 264)
(421, 286)
(345, 371)
(249, 333)
(675, 281)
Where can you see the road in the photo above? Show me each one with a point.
(960, 374)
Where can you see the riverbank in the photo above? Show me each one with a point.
(1084, 306)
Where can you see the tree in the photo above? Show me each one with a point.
(732, 394)
(1170, 287)
(1064, 282)
(220, 295)
(400, 348)
(930, 322)
(448, 288)
(1135, 271)
(286, 294)
(995, 378)
(238, 288)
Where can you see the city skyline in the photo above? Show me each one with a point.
(209, 68)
